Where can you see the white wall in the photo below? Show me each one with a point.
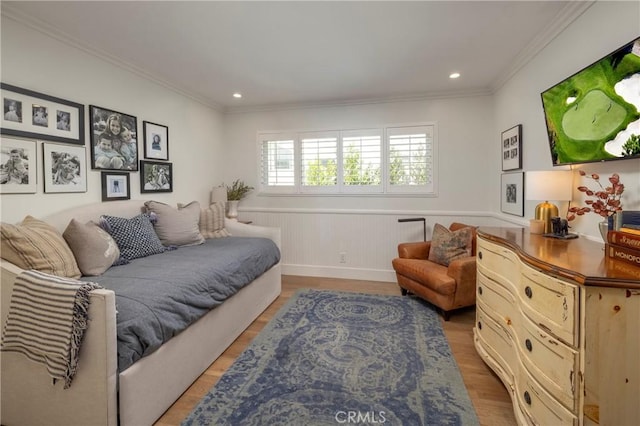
(316, 229)
(603, 28)
(36, 61)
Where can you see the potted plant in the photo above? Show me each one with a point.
(236, 192)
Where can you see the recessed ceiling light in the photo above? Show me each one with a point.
(454, 75)
(237, 95)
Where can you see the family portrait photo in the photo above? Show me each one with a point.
(114, 143)
(156, 141)
(155, 177)
(17, 166)
(65, 168)
(34, 115)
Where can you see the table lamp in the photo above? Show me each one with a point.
(548, 185)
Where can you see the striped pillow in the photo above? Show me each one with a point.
(34, 244)
(212, 221)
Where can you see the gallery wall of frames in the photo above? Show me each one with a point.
(47, 133)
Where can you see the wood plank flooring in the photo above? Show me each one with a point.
(490, 398)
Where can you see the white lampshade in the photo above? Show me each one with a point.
(553, 185)
(219, 194)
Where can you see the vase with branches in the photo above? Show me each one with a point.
(236, 192)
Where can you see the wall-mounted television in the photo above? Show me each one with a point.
(594, 115)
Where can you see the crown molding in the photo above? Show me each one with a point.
(12, 13)
(562, 20)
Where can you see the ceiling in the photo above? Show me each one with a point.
(307, 53)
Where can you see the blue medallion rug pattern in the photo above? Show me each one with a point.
(331, 358)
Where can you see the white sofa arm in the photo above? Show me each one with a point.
(28, 393)
(238, 229)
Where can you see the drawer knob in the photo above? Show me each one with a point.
(479, 325)
(527, 397)
(528, 344)
(480, 255)
(528, 292)
(480, 290)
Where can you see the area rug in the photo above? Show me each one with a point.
(332, 358)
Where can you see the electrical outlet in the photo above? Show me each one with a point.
(343, 257)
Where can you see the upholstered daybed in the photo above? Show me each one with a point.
(141, 392)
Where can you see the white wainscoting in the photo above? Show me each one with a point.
(313, 240)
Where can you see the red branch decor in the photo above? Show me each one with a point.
(606, 200)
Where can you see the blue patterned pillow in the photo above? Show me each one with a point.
(135, 237)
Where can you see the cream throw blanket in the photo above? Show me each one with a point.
(46, 322)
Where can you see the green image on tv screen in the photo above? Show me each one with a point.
(594, 114)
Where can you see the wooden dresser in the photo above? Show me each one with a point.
(560, 325)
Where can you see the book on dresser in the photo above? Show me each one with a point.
(622, 253)
(624, 239)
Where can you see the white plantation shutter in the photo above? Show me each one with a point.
(385, 160)
(410, 153)
(277, 162)
(362, 160)
(319, 160)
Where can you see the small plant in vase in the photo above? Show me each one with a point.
(605, 201)
(236, 192)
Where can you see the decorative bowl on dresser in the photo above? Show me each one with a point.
(559, 323)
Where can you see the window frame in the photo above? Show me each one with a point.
(340, 189)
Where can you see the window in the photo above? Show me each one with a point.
(319, 155)
(398, 159)
(277, 162)
(410, 159)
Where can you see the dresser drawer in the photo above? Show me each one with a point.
(551, 303)
(499, 301)
(496, 341)
(538, 407)
(551, 362)
(498, 263)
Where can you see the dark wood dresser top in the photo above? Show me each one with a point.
(580, 259)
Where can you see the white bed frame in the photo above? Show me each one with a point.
(143, 392)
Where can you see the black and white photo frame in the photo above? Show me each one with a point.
(511, 141)
(114, 140)
(512, 193)
(18, 166)
(156, 141)
(64, 168)
(156, 176)
(115, 186)
(34, 115)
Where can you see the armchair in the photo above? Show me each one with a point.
(448, 287)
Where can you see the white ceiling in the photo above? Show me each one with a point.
(304, 53)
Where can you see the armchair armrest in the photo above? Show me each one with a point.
(418, 250)
(463, 271)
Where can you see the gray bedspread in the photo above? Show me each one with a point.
(160, 295)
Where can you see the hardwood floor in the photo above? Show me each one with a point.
(489, 396)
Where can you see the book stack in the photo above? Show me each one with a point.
(623, 241)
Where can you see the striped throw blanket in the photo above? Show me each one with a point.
(46, 322)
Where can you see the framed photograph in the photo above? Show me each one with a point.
(156, 177)
(114, 140)
(65, 168)
(156, 141)
(512, 196)
(17, 166)
(512, 148)
(34, 115)
(115, 186)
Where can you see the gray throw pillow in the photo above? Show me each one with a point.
(176, 227)
(94, 249)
